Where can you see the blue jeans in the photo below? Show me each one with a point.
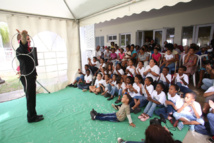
(165, 111)
(170, 66)
(114, 90)
(183, 88)
(120, 92)
(80, 77)
(208, 128)
(143, 101)
(107, 117)
(83, 86)
(150, 107)
(189, 117)
(207, 83)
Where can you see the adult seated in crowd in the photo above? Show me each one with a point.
(143, 56)
(209, 95)
(152, 70)
(133, 54)
(208, 82)
(98, 53)
(107, 53)
(203, 50)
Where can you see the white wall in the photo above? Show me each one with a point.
(178, 20)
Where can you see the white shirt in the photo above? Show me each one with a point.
(107, 55)
(97, 82)
(98, 53)
(123, 86)
(174, 99)
(169, 57)
(188, 109)
(102, 65)
(150, 89)
(117, 52)
(168, 76)
(97, 64)
(132, 70)
(211, 89)
(185, 77)
(155, 69)
(114, 82)
(88, 79)
(159, 97)
(136, 87)
(120, 71)
(142, 70)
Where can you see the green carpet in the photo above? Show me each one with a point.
(67, 119)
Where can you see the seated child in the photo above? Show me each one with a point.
(189, 112)
(182, 80)
(165, 78)
(93, 65)
(140, 69)
(123, 88)
(156, 56)
(168, 60)
(85, 85)
(111, 86)
(130, 70)
(208, 95)
(104, 86)
(118, 70)
(147, 91)
(157, 98)
(119, 116)
(170, 104)
(96, 88)
(135, 92)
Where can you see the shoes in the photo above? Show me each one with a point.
(180, 126)
(131, 110)
(137, 110)
(107, 95)
(40, 116)
(36, 119)
(92, 115)
(145, 118)
(110, 98)
(118, 101)
(115, 107)
(175, 123)
(95, 112)
(120, 140)
(84, 90)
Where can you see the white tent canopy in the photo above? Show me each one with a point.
(63, 19)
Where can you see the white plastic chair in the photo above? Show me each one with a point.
(201, 57)
(194, 75)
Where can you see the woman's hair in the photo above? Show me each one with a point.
(158, 134)
(154, 61)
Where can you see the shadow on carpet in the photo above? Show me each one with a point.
(67, 119)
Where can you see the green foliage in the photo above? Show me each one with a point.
(4, 32)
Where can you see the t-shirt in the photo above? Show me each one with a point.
(120, 71)
(136, 87)
(155, 69)
(174, 99)
(128, 54)
(114, 82)
(123, 86)
(121, 55)
(98, 53)
(97, 82)
(133, 52)
(97, 64)
(142, 70)
(88, 79)
(186, 79)
(113, 56)
(143, 57)
(174, 52)
(159, 97)
(117, 52)
(102, 65)
(169, 57)
(188, 109)
(123, 112)
(168, 76)
(150, 89)
(107, 55)
(132, 70)
(156, 57)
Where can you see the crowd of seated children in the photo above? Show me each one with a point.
(139, 81)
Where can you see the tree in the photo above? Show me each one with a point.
(4, 32)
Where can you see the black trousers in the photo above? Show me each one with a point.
(30, 92)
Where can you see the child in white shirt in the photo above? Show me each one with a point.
(167, 57)
(85, 85)
(165, 78)
(96, 88)
(189, 112)
(140, 69)
(112, 87)
(147, 91)
(157, 98)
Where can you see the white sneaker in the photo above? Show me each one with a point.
(120, 140)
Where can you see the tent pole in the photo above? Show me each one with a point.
(76, 20)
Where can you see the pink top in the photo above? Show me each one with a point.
(121, 55)
(156, 57)
(113, 56)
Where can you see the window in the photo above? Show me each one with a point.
(125, 39)
(204, 34)
(187, 33)
(170, 34)
(112, 38)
